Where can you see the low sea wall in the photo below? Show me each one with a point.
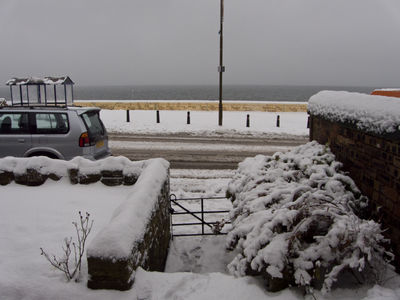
(197, 106)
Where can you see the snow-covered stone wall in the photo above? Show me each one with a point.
(363, 132)
(34, 171)
(138, 234)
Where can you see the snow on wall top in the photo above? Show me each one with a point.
(387, 89)
(129, 220)
(112, 163)
(376, 114)
(46, 166)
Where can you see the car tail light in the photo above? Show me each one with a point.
(84, 140)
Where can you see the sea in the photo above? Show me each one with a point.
(289, 93)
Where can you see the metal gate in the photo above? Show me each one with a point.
(198, 217)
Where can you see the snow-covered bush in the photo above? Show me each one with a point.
(297, 220)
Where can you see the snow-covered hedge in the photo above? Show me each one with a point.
(375, 114)
(296, 220)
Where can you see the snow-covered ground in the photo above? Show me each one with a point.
(195, 268)
(34, 217)
(206, 122)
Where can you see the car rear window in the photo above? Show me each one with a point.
(14, 123)
(93, 123)
(51, 123)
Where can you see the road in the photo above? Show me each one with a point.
(185, 151)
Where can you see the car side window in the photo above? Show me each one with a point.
(14, 123)
(51, 123)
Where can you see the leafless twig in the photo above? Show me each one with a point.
(82, 229)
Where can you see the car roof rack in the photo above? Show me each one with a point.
(35, 91)
(35, 107)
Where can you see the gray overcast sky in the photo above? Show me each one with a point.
(304, 42)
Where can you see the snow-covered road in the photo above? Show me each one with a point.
(199, 152)
(203, 144)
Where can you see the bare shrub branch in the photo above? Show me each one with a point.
(82, 229)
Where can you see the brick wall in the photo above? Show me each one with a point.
(374, 164)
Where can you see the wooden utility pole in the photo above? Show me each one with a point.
(221, 67)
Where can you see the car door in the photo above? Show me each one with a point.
(50, 132)
(97, 134)
(15, 136)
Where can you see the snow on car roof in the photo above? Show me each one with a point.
(49, 80)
